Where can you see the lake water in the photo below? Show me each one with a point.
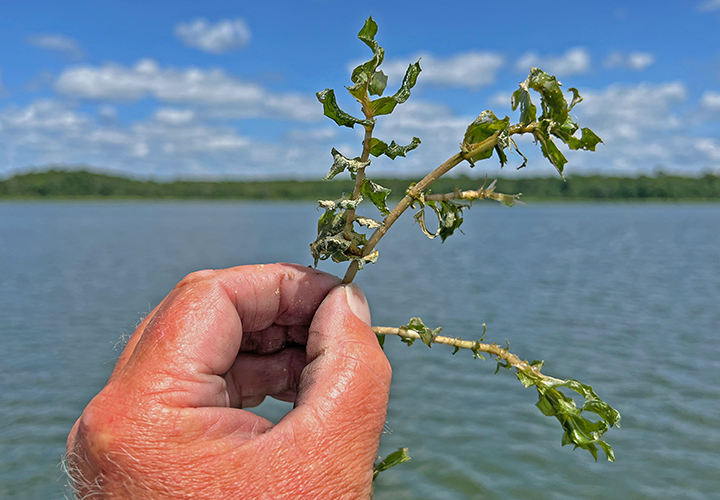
(624, 297)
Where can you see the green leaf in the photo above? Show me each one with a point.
(331, 241)
(553, 103)
(579, 431)
(449, 215)
(383, 106)
(378, 147)
(426, 334)
(551, 151)
(588, 141)
(377, 195)
(386, 105)
(409, 80)
(484, 126)
(333, 111)
(364, 77)
(394, 150)
(341, 163)
(395, 458)
(521, 97)
(577, 98)
(381, 341)
(368, 32)
(378, 83)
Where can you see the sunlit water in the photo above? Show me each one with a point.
(623, 297)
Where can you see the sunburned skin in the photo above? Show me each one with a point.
(169, 425)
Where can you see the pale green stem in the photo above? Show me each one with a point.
(475, 346)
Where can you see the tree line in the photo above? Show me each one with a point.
(55, 183)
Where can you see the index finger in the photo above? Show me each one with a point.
(199, 327)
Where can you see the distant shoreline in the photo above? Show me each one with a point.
(94, 186)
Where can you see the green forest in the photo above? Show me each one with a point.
(74, 184)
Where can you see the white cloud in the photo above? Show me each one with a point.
(174, 116)
(710, 100)
(43, 115)
(709, 146)
(637, 61)
(216, 38)
(575, 61)
(628, 111)
(709, 5)
(472, 70)
(231, 97)
(69, 47)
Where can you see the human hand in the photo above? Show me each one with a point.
(168, 423)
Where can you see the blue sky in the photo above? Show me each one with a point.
(226, 89)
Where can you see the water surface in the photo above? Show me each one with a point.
(621, 296)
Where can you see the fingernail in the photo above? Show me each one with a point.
(358, 303)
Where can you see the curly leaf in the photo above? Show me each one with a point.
(449, 215)
(368, 222)
(365, 72)
(521, 97)
(484, 126)
(553, 103)
(341, 163)
(588, 141)
(378, 83)
(551, 151)
(386, 105)
(331, 241)
(333, 111)
(577, 98)
(377, 195)
(579, 431)
(426, 334)
(378, 147)
(395, 458)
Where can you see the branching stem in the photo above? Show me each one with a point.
(414, 192)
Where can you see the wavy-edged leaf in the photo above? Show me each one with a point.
(588, 141)
(333, 111)
(551, 151)
(365, 72)
(378, 83)
(341, 163)
(427, 335)
(331, 241)
(521, 97)
(579, 431)
(395, 458)
(409, 80)
(553, 103)
(378, 147)
(484, 126)
(386, 105)
(449, 216)
(377, 194)
(577, 98)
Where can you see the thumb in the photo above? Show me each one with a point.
(344, 389)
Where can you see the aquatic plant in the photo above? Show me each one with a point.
(345, 236)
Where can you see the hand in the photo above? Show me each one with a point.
(168, 424)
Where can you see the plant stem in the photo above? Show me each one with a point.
(413, 194)
(475, 346)
(360, 175)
